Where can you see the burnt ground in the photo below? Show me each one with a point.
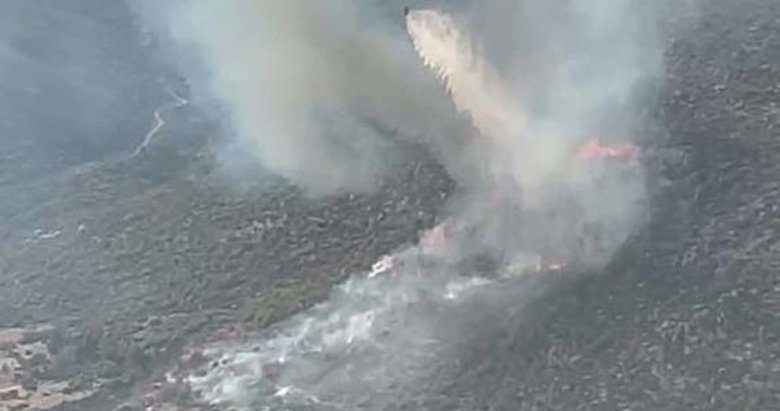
(128, 258)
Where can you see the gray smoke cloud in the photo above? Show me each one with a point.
(544, 82)
(308, 85)
(508, 93)
(534, 106)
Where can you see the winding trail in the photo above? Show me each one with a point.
(159, 121)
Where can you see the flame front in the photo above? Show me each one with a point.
(596, 149)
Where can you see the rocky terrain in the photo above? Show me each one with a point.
(111, 262)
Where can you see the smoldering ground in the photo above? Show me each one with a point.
(505, 92)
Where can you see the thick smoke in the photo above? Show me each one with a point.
(532, 105)
(311, 89)
(540, 85)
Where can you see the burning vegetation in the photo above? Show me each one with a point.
(535, 200)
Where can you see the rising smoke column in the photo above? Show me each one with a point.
(304, 84)
(537, 80)
(572, 207)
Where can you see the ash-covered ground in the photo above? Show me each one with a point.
(114, 259)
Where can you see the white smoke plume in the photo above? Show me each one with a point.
(532, 105)
(309, 84)
(505, 92)
(536, 112)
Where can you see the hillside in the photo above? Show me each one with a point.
(125, 259)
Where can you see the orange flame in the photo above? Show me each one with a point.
(595, 149)
(435, 238)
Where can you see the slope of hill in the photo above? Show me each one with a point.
(129, 257)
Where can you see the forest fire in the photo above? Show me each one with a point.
(440, 237)
(595, 149)
(436, 239)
